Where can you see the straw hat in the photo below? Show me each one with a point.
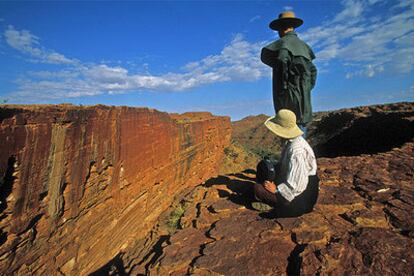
(286, 19)
(284, 124)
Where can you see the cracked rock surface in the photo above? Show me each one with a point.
(362, 224)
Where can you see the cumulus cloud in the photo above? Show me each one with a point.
(367, 44)
(28, 43)
(238, 60)
(353, 10)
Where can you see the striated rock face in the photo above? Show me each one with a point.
(79, 185)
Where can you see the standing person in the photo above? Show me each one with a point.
(294, 74)
(291, 189)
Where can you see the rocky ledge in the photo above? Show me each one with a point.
(362, 223)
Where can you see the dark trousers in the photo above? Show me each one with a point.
(263, 195)
(301, 204)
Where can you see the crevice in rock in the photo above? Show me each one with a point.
(32, 223)
(113, 267)
(198, 208)
(6, 184)
(202, 247)
(3, 237)
(207, 233)
(201, 252)
(346, 217)
(334, 239)
(7, 113)
(397, 195)
(88, 174)
(361, 192)
(397, 226)
(295, 260)
(155, 252)
(43, 195)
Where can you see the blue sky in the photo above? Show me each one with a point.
(180, 56)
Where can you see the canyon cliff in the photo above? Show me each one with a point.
(132, 191)
(79, 185)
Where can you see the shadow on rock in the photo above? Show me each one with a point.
(113, 267)
(243, 176)
(251, 171)
(241, 188)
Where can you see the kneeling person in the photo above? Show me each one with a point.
(297, 163)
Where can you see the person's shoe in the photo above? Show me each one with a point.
(262, 207)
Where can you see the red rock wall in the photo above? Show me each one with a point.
(79, 184)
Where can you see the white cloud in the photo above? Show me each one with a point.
(369, 71)
(63, 74)
(405, 3)
(406, 94)
(353, 10)
(255, 18)
(367, 44)
(329, 52)
(28, 44)
(238, 61)
(288, 8)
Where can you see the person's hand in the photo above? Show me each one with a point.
(270, 186)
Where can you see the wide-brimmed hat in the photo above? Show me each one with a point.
(284, 124)
(286, 19)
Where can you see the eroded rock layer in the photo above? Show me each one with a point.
(80, 184)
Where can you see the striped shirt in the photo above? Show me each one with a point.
(298, 162)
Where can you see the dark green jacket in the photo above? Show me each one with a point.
(294, 75)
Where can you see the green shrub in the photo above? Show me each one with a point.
(173, 222)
